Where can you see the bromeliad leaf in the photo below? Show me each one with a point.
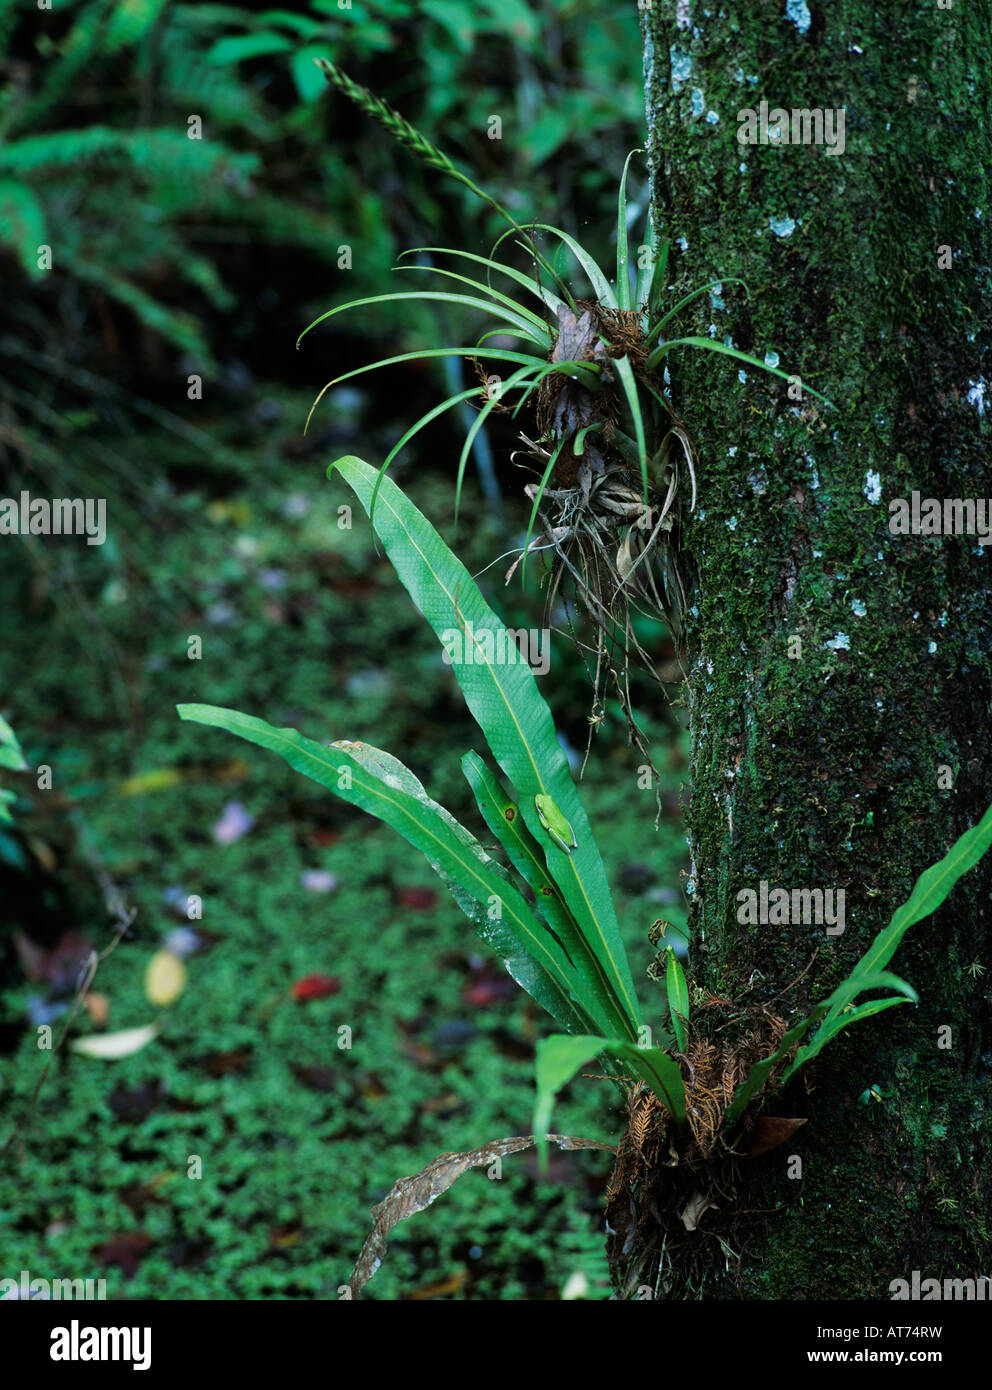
(602, 288)
(623, 272)
(528, 282)
(523, 325)
(709, 345)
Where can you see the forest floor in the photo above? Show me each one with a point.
(297, 1137)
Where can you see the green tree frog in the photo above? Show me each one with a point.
(555, 823)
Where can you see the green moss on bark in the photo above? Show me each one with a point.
(819, 766)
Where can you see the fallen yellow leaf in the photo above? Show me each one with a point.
(165, 978)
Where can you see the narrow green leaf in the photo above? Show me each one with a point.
(623, 273)
(473, 391)
(842, 995)
(501, 354)
(602, 288)
(645, 269)
(517, 378)
(657, 286)
(656, 329)
(541, 488)
(711, 345)
(580, 439)
(832, 1026)
(532, 285)
(856, 984)
(929, 891)
(529, 248)
(628, 383)
(678, 997)
(523, 328)
(539, 329)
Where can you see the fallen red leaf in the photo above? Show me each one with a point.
(486, 992)
(314, 987)
(419, 898)
(324, 837)
(488, 988)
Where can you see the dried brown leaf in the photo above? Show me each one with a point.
(769, 1131)
(410, 1195)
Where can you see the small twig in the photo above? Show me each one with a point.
(796, 980)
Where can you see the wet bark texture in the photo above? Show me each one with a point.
(824, 770)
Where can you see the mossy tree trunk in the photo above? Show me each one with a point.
(853, 758)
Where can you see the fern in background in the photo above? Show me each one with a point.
(159, 243)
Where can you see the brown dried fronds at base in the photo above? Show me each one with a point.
(715, 1073)
(671, 1189)
(712, 1075)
